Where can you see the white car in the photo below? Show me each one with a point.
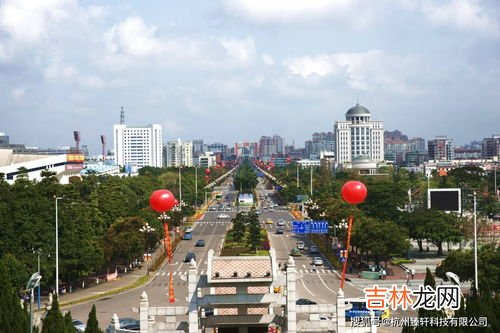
(223, 216)
(318, 261)
(280, 223)
(300, 245)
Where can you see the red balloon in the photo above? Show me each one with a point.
(354, 192)
(207, 178)
(207, 171)
(162, 200)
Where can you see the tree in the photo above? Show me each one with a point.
(462, 264)
(123, 242)
(239, 227)
(13, 319)
(423, 313)
(92, 323)
(54, 321)
(379, 239)
(253, 231)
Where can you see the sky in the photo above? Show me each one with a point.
(234, 70)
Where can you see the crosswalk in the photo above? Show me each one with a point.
(299, 271)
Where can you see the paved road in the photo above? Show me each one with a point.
(320, 285)
(125, 304)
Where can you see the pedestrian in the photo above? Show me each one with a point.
(384, 274)
(408, 277)
(279, 265)
(412, 273)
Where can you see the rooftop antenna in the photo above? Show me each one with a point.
(103, 142)
(122, 117)
(357, 98)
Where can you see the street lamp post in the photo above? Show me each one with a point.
(32, 283)
(298, 175)
(475, 245)
(57, 246)
(147, 229)
(311, 180)
(38, 271)
(196, 186)
(180, 184)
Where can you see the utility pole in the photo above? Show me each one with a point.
(57, 247)
(196, 186)
(475, 245)
(298, 175)
(311, 180)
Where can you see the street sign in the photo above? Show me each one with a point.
(301, 227)
(310, 227)
(319, 227)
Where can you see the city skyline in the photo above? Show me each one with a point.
(230, 71)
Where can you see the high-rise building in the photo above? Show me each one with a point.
(491, 147)
(198, 148)
(217, 148)
(321, 142)
(179, 153)
(138, 146)
(440, 149)
(4, 139)
(279, 142)
(187, 154)
(358, 136)
(270, 146)
(249, 149)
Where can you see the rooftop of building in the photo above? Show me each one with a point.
(240, 269)
(9, 157)
(357, 110)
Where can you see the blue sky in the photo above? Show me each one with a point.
(233, 70)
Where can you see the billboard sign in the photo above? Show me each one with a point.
(446, 199)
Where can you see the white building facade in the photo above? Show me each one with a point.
(358, 136)
(179, 153)
(138, 146)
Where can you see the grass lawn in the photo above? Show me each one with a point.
(233, 248)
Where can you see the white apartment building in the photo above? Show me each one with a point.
(138, 146)
(207, 160)
(358, 136)
(179, 154)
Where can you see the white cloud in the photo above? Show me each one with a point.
(60, 71)
(366, 71)
(133, 37)
(240, 49)
(461, 14)
(134, 42)
(41, 23)
(29, 21)
(267, 59)
(91, 81)
(297, 11)
(17, 93)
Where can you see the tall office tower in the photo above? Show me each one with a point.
(417, 144)
(138, 145)
(490, 147)
(4, 139)
(245, 149)
(266, 146)
(187, 154)
(217, 148)
(279, 143)
(198, 148)
(358, 136)
(440, 149)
